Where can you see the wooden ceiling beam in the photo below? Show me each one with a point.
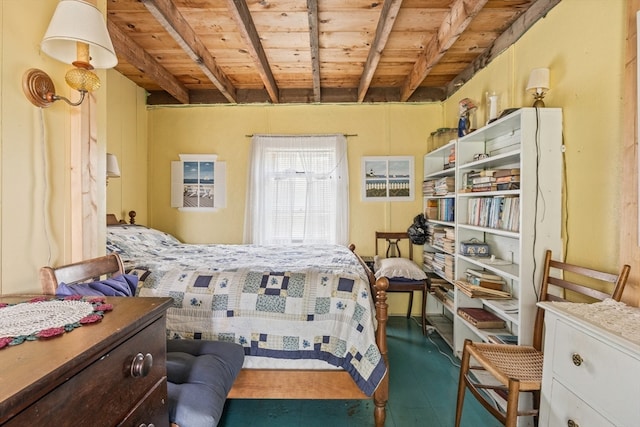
(246, 27)
(388, 16)
(168, 15)
(314, 37)
(139, 58)
(511, 35)
(460, 16)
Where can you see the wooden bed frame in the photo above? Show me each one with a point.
(270, 383)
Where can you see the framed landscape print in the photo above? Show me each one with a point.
(388, 178)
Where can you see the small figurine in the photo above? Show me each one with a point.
(466, 107)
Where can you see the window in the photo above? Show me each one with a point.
(298, 190)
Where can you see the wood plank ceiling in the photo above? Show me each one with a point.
(311, 51)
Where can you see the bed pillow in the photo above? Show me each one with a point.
(398, 268)
(123, 285)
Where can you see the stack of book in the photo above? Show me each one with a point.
(431, 209)
(449, 240)
(484, 279)
(444, 186)
(434, 233)
(480, 181)
(481, 318)
(507, 179)
(427, 261)
(474, 291)
(429, 187)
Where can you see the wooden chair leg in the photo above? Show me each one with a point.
(512, 404)
(410, 304)
(424, 310)
(462, 385)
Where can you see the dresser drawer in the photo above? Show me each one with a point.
(152, 410)
(596, 372)
(104, 392)
(568, 407)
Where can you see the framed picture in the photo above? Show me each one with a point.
(388, 178)
(198, 182)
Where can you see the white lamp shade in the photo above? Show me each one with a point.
(113, 170)
(78, 21)
(538, 80)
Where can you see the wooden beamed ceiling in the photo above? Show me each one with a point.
(311, 51)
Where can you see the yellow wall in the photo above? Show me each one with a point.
(127, 139)
(582, 43)
(379, 130)
(34, 151)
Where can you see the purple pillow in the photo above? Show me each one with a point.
(123, 285)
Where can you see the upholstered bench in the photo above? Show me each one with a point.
(200, 375)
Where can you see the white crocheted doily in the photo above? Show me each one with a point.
(611, 315)
(32, 317)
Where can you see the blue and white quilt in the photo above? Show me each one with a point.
(293, 302)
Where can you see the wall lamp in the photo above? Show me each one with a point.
(77, 35)
(113, 170)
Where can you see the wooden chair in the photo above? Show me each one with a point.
(518, 368)
(83, 271)
(401, 284)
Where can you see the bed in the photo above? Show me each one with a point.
(312, 319)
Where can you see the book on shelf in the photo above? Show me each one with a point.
(485, 275)
(474, 291)
(481, 318)
(486, 283)
(503, 339)
(506, 172)
(507, 179)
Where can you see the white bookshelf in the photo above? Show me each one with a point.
(530, 140)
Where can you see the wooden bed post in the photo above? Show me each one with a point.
(381, 395)
(379, 290)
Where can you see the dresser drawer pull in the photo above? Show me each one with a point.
(153, 425)
(572, 423)
(141, 365)
(577, 359)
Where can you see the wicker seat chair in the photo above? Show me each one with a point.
(518, 368)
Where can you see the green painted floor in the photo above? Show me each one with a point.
(423, 386)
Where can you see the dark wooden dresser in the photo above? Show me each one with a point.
(103, 374)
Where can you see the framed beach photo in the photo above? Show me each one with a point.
(388, 178)
(198, 182)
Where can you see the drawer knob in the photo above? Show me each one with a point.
(572, 423)
(141, 365)
(577, 360)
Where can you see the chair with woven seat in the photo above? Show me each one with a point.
(404, 274)
(518, 368)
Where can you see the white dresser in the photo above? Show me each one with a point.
(591, 373)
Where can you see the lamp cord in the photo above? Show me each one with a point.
(45, 174)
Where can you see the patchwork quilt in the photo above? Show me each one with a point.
(293, 302)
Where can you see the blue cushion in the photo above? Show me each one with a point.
(123, 285)
(200, 375)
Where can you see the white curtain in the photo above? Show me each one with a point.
(298, 190)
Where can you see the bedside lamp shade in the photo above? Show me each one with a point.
(113, 170)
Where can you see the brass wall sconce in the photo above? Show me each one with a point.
(77, 35)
